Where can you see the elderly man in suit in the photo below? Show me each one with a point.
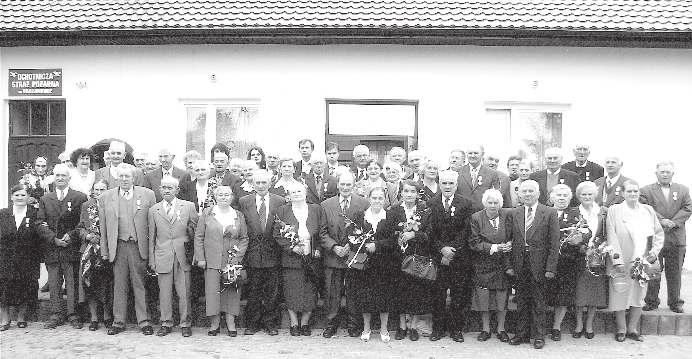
(303, 167)
(475, 178)
(457, 158)
(534, 232)
(152, 179)
(673, 206)
(554, 174)
(449, 231)
(611, 186)
(172, 224)
(124, 214)
(334, 242)
(116, 152)
(414, 171)
(58, 217)
(262, 256)
(585, 169)
(359, 167)
(320, 185)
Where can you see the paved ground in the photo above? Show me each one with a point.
(64, 342)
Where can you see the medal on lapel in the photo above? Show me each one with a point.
(562, 181)
(325, 187)
(69, 206)
(587, 175)
(617, 190)
(27, 222)
(480, 180)
(139, 204)
(452, 210)
(675, 196)
(564, 217)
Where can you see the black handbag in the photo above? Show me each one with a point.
(420, 267)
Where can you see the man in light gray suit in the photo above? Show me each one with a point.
(124, 214)
(172, 225)
(116, 152)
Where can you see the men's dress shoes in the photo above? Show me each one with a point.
(538, 343)
(503, 336)
(305, 331)
(436, 335)
(578, 334)
(115, 330)
(483, 336)
(353, 332)
(649, 307)
(271, 331)
(93, 326)
(250, 331)
(52, 324)
(295, 331)
(147, 330)
(329, 331)
(186, 331)
(588, 335)
(400, 334)
(458, 336)
(555, 335)
(232, 333)
(4, 327)
(163, 331)
(620, 337)
(413, 335)
(517, 340)
(677, 309)
(635, 337)
(213, 332)
(21, 324)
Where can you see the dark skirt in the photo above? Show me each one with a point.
(562, 289)
(300, 293)
(591, 290)
(414, 295)
(100, 288)
(372, 290)
(18, 291)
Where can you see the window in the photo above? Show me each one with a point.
(37, 118)
(528, 129)
(234, 123)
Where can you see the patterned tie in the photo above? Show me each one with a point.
(263, 214)
(344, 205)
(446, 204)
(529, 219)
(318, 185)
(169, 212)
(474, 177)
(361, 174)
(606, 189)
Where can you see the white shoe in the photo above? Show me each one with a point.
(384, 335)
(365, 336)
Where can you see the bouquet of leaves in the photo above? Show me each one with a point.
(574, 235)
(412, 224)
(231, 273)
(597, 250)
(287, 231)
(639, 272)
(357, 238)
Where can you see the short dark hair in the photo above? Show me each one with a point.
(373, 160)
(513, 158)
(79, 153)
(306, 140)
(331, 146)
(412, 183)
(17, 187)
(220, 147)
(263, 161)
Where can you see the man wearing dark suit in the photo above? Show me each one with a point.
(553, 175)
(320, 185)
(124, 220)
(335, 248)
(534, 232)
(673, 206)
(303, 167)
(449, 231)
(152, 179)
(457, 158)
(172, 223)
(222, 176)
(475, 178)
(413, 171)
(361, 156)
(58, 216)
(610, 187)
(585, 169)
(262, 256)
(116, 151)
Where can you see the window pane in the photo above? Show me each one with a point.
(535, 132)
(19, 118)
(234, 128)
(196, 124)
(39, 118)
(375, 119)
(57, 118)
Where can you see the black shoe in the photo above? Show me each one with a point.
(305, 331)
(52, 324)
(147, 330)
(436, 335)
(400, 334)
(517, 340)
(163, 331)
(619, 337)
(232, 333)
(538, 343)
(483, 336)
(4, 327)
(413, 335)
(649, 307)
(555, 335)
(588, 335)
(108, 323)
(271, 331)
(635, 337)
(353, 332)
(21, 324)
(213, 332)
(329, 331)
(186, 331)
(458, 336)
(115, 330)
(295, 331)
(93, 326)
(503, 336)
(578, 334)
(677, 309)
(250, 331)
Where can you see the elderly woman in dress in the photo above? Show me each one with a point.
(100, 282)
(573, 233)
(286, 180)
(82, 177)
(489, 241)
(298, 257)
(220, 239)
(20, 256)
(524, 170)
(591, 287)
(429, 183)
(634, 232)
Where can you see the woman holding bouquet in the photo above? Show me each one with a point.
(492, 261)
(95, 281)
(591, 286)
(220, 239)
(635, 234)
(20, 255)
(286, 180)
(371, 289)
(297, 231)
(408, 227)
(573, 234)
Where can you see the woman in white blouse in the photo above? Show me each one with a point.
(81, 176)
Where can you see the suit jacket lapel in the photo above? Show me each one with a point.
(466, 175)
(537, 219)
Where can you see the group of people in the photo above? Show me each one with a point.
(392, 238)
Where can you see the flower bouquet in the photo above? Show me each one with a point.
(357, 238)
(412, 224)
(309, 261)
(231, 275)
(639, 271)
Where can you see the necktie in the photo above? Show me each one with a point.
(169, 212)
(318, 185)
(361, 174)
(529, 219)
(60, 195)
(474, 176)
(344, 205)
(126, 194)
(446, 205)
(331, 171)
(605, 190)
(263, 214)
(608, 183)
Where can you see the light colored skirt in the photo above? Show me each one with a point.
(625, 292)
(228, 301)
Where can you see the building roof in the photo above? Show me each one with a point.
(416, 16)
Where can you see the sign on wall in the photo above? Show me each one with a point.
(35, 82)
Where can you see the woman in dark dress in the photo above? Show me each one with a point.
(298, 257)
(573, 233)
(428, 185)
(491, 262)
(95, 275)
(20, 253)
(371, 289)
(413, 295)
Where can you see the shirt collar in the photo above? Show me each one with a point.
(122, 192)
(342, 198)
(173, 202)
(451, 198)
(534, 207)
(665, 185)
(557, 172)
(258, 199)
(613, 180)
(576, 163)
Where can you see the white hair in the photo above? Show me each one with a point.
(529, 183)
(250, 164)
(345, 173)
(116, 145)
(553, 151)
(62, 168)
(361, 148)
(416, 153)
(261, 174)
(235, 162)
(124, 168)
(170, 180)
(584, 186)
(492, 193)
(560, 187)
(448, 175)
(318, 157)
(200, 164)
(393, 165)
